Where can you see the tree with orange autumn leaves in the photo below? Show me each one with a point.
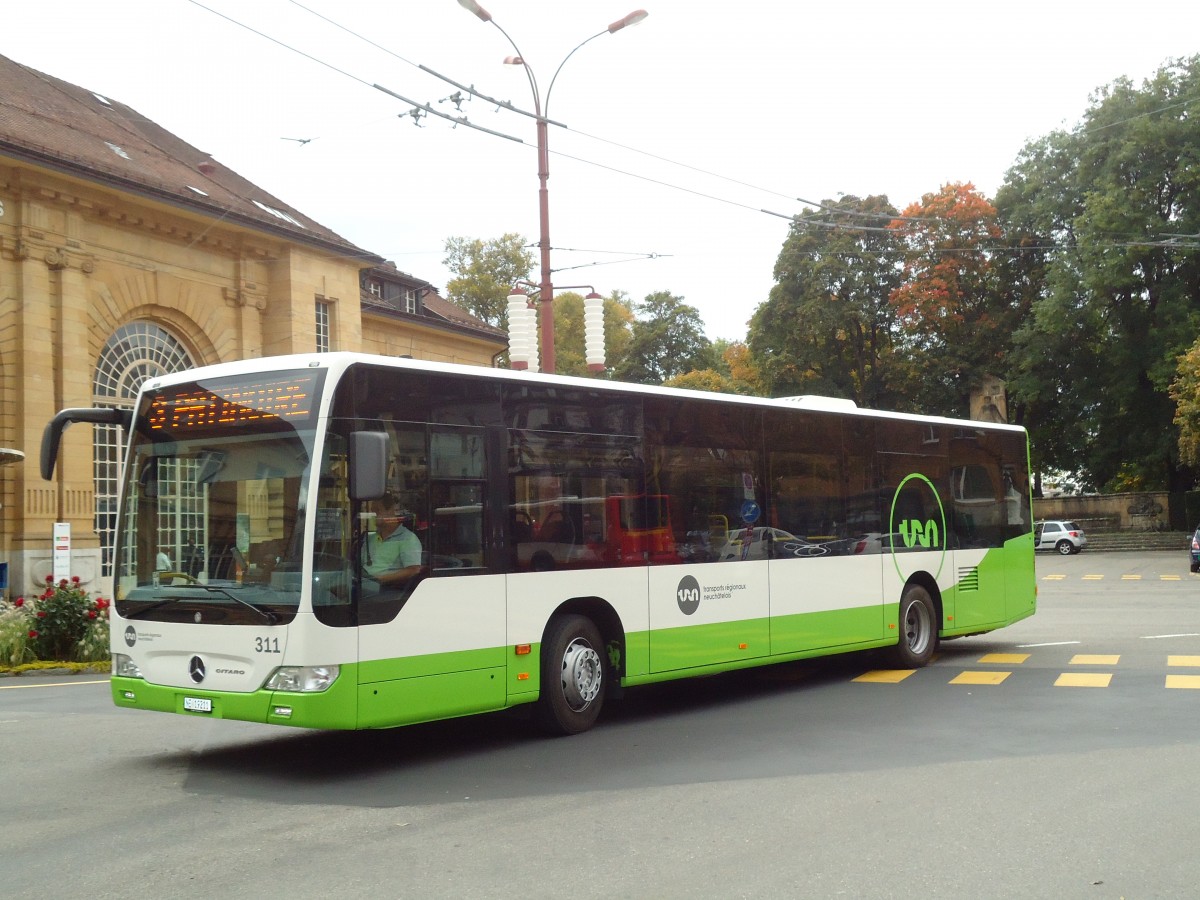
(954, 324)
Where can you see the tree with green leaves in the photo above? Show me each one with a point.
(734, 372)
(1115, 207)
(1185, 391)
(569, 348)
(827, 326)
(485, 272)
(667, 340)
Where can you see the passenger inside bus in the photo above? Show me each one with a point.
(391, 555)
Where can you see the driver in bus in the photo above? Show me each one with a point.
(391, 555)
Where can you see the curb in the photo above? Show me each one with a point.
(53, 673)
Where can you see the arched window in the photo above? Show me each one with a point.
(135, 352)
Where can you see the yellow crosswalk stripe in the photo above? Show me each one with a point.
(980, 677)
(1191, 682)
(885, 676)
(1191, 661)
(1007, 659)
(1095, 659)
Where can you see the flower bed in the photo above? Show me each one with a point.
(64, 623)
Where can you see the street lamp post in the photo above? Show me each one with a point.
(542, 110)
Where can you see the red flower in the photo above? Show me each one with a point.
(49, 579)
(20, 601)
(91, 614)
(63, 583)
(101, 603)
(33, 634)
(40, 614)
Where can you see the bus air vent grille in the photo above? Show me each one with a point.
(968, 579)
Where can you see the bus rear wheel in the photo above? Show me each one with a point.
(918, 629)
(573, 676)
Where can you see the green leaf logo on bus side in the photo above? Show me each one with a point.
(918, 534)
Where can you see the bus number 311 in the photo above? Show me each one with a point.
(266, 645)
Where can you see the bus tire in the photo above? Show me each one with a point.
(573, 676)
(918, 629)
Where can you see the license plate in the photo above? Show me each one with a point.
(197, 704)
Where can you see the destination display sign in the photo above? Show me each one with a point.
(215, 404)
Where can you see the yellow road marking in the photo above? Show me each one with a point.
(13, 687)
(885, 676)
(980, 677)
(1093, 577)
(1191, 682)
(1095, 659)
(1131, 577)
(1170, 578)
(1083, 679)
(1008, 659)
(1192, 661)
(1054, 578)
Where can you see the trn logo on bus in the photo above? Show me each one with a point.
(687, 595)
(910, 521)
(916, 532)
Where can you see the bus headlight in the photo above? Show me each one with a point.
(302, 679)
(124, 666)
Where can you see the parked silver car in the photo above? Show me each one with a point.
(1062, 536)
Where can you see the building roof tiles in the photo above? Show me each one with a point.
(55, 123)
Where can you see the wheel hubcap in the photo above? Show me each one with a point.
(582, 674)
(917, 627)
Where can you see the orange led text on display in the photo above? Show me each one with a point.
(236, 405)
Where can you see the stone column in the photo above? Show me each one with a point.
(34, 365)
(76, 476)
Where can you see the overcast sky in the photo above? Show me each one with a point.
(680, 130)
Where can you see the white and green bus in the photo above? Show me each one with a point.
(577, 537)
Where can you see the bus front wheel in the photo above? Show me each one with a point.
(573, 673)
(918, 629)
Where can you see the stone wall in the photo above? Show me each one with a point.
(1140, 511)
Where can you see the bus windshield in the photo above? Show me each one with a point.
(213, 501)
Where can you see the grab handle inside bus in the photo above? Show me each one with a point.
(52, 435)
(368, 464)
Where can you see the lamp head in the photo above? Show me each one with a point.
(632, 19)
(472, 7)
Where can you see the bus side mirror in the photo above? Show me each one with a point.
(368, 464)
(52, 434)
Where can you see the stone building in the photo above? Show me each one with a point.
(124, 253)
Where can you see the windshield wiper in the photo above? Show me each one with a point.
(270, 615)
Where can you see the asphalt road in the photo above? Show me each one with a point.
(1056, 758)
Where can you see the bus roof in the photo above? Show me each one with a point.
(339, 361)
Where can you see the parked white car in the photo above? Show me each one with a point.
(1061, 536)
